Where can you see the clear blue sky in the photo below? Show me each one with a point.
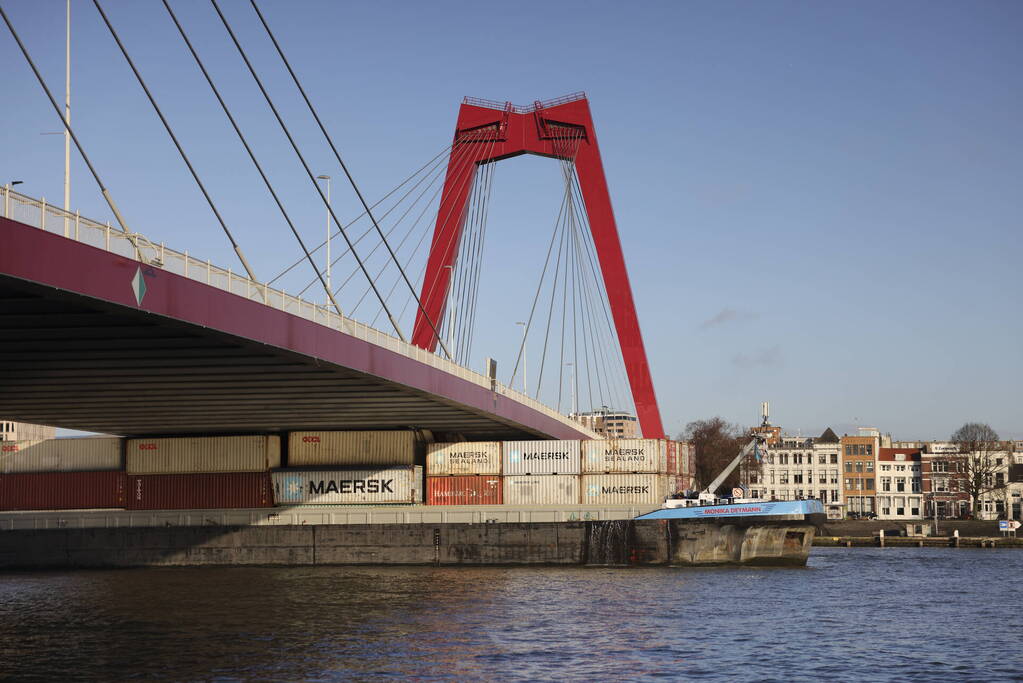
(819, 202)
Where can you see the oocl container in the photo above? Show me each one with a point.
(62, 491)
(467, 457)
(624, 489)
(625, 455)
(93, 454)
(351, 449)
(464, 490)
(541, 489)
(540, 457)
(344, 487)
(199, 491)
(192, 455)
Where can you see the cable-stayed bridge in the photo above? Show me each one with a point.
(104, 330)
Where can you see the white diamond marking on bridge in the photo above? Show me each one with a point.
(138, 285)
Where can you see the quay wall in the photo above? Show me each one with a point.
(581, 543)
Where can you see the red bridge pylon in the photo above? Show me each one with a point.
(493, 131)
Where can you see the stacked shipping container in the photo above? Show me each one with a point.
(343, 468)
(335, 468)
(61, 474)
(201, 472)
(614, 471)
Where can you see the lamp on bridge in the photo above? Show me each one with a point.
(327, 178)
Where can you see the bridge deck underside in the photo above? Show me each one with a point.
(81, 363)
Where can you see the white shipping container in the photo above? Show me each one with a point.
(625, 455)
(541, 489)
(624, 489)
(92, 454)
(341, 487)
(192, 455)
(540, 457)
(351, 449)
(467, 457)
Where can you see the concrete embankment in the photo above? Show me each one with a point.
(597, 543)
(860, 534)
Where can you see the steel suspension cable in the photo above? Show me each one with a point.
(436, 173)
(467, 141)
(85, 157)
(550, 308)
(357, 218)
(464, 264)
(460, 159)
(298, 153)
(492, 167)
(248, 149)
(174, 139)
(604, 300)
(536, 297)
(344, 167)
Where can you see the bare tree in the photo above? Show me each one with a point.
(715, 442)
(980, 462)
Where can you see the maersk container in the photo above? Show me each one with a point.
(541, 489)
(92, 454)
(193, 455)
(467, 457)
(62, 491)
(624, 489)
(351, 449)
(464, 490)
(349, 486)
(625, 456)
(202, 491)
(540, 457)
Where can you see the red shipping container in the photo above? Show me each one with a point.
(477, 489)
(62, 490)
(200, 491)
(674, 464)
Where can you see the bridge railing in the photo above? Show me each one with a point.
(38, 213)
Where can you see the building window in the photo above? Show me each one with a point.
(797, 478)
(870, 484)
(822, 459)
(916, 486)
(859, 466)
(886, 468)
(886, 483)
(848, 466)
(900, 485)
(870, 465)
(848, 484)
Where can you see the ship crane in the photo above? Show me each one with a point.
(707, 496)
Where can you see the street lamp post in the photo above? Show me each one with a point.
(571, 382)
(525, 385)
(67, 120)
(327, 178)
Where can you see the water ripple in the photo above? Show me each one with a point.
(896, 614)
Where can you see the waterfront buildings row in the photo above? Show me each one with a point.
(869, 475)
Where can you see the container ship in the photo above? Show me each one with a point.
(564, 502)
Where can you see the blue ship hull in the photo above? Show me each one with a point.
(787, 510)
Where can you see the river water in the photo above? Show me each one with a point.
(856, 614)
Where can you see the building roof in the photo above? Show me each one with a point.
(828, 437)
(911, 454)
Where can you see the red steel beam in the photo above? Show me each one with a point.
(486, 134)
